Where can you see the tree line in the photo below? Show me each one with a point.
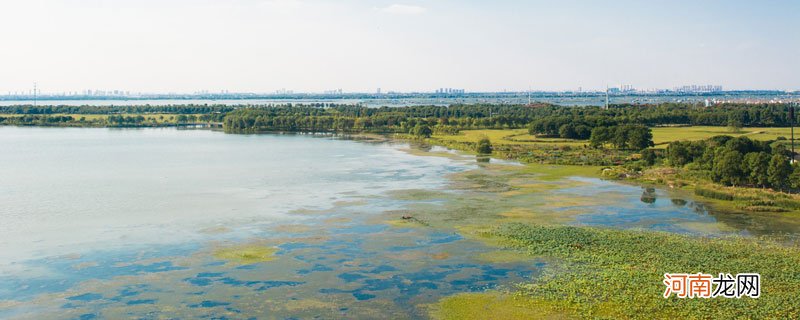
(419, 120)
(114, 120)
(625, 137)
(737, 161)
(543, 119)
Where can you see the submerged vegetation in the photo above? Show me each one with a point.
(246, 254)
(493, 305)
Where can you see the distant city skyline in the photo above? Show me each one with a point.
(623, 88)
(265, 46)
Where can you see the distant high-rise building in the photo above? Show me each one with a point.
(626, 88)
(699, 89)
(449, 91)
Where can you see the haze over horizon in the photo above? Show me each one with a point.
(414, 45)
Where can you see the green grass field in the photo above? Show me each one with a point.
(508, 137)
(662, 136)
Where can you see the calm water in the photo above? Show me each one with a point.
(124, 223)
(99, 222)
(63, 188)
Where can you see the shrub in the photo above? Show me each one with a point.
(484, 146)
(714, 194)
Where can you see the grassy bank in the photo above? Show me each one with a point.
(517, 144)
(614, 274)
(730, 198)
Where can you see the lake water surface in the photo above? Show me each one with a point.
(126, 223)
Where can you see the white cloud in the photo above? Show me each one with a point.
(404, 9)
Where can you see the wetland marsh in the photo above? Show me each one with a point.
(165, 223)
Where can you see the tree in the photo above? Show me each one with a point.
(583, 132)
(421, 130)
(756, 165)
(728, 167)
(649, 156)
(678, 154)
(794, 178)
(600, 136)
(567, 131)
(734, 124)
(484, 146)
(742, 144)
(619, 138)
(639, 137)
(779, 171)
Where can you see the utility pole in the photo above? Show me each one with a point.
(791, 124)
(529, 96)
(34, 94)
(606, 97)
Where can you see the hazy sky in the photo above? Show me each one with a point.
(315, 45)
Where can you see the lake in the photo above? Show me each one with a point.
(151, 223)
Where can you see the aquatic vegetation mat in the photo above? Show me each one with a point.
(618, 273)
(494, 305)
(246, 254)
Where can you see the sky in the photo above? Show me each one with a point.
(415, 45)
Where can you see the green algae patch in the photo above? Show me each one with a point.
(440, 255)
(246, 254)
(461, 155)
(492, 305)
(706, 227)
(518, 213)
(350, 203)
(337, 220)
(504, 256)
(546, 217)
(485, 234)
(85, 265)
(490, 180)
(307, 211)
(406, 223)
(293, 228)
(308, 304)
(557, 172)
(417, 194)
(216, 230)
(528, 188)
